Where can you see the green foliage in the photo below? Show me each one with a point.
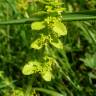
(42, 68)
(47, 47)
(55, 29)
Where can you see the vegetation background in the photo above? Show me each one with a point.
(75, 72)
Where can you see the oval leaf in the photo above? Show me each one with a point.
(59, 28)
(37, 44)
(30, 68)
(37, 25)
(46, 75)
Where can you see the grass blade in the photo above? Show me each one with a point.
(50, 92)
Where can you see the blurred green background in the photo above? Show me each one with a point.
(76, 71)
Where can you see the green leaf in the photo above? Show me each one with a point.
(37, 25)
(57, 43)
(49, 92)
(90, 61)
(31, 68)
(46, 75)
(79, 16)
(59, 28)
(37, 44)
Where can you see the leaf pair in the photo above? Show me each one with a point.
(58, 27)
(40, 42)
(34, 67)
